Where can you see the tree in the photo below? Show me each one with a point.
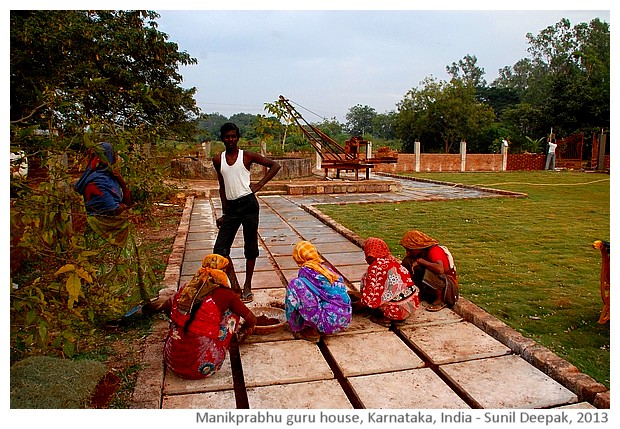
(209, 125)
(359, 119)
(78, 77)
(72, 68)
(440, 114)
(467, 71)
(383, 125)
(565, 82)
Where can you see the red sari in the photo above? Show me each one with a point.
(198, 349)
(387, 285)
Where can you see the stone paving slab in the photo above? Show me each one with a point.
(326, 249)
(204, 245)
(282, 250)
(286, 262)
(359, 354)
(281, 240)
(454, 342)
(324, 394)
(421, 317)
(223, 400)
(261, 279)
(410, 389)
(352, 273)
(345, 258)
(273, 371)
(282, 362)
(263, 263)
(361, 323)
(507, 382)
(221, 380)
(318, 238)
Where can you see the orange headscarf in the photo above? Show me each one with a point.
(208, 277)
(306, 255)
(415, 239)
(376, 248)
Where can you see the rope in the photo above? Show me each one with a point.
(308, 110)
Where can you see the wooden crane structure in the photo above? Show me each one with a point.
(333, 155)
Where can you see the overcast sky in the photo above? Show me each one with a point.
(328, 61)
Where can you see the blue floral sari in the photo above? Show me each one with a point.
(312, 301)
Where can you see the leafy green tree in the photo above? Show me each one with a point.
(68, 67)
(384, 125)
(441, 114)
(78, 77)
(360, 119)
(245, 122)
(565, 83)
(467, 71)
(209, 126)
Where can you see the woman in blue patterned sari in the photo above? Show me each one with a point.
(316, 300)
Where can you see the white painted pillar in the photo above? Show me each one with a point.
(463, 154)
(416, 149)
(504, 154)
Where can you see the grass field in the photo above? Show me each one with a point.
(527, 261)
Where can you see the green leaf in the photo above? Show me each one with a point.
(31, 316)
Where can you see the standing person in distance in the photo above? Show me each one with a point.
(239, 203)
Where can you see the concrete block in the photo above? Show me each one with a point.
(453, 342)
(359, 353)
(324, 394)
(410, 389)
(507, 382)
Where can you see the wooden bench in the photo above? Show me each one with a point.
(346, 166)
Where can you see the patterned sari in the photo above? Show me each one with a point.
(200, 334)
(317, 297)
(387, 285)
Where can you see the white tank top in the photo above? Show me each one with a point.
(236, 177)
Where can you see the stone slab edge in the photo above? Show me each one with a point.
(149, 384)
(584, 386)
(457, 185)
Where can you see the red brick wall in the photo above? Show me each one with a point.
(526, 161)
(442, 162)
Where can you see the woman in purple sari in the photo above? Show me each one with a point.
(316, 300)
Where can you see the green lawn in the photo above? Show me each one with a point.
(528, 261)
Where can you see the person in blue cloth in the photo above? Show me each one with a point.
(102, 186)
(126, 273)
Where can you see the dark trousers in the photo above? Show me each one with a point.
(244, 212)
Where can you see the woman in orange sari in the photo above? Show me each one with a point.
(425, 253)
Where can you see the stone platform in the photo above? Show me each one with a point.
(452, 359)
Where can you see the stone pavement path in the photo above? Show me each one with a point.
(441, 360)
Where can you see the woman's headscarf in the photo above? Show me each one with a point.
(415, 240)
(208, 277)
(306, 255)
(376, 248)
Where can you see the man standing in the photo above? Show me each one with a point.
(551, 152)
(239, 203)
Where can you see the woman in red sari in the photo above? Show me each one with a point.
(205, 314)
(387, 285)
